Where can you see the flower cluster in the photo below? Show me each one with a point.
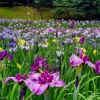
(77, 61)
(39, 81)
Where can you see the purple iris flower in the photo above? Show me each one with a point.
(22, 92)
(78, 50)
(81, 41)
(50, 29)
(94, 44)
(63, 43)
(77, 82)
(18, 78)
(56, 34)
(52, 68)
(5, 54)
(85, 58)
(97, 67)
(5, 45)
(73, 35)
(38, 64)
(37, 43)
(12, 43)
(72, 24)
(38, 83)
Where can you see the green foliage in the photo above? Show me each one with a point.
(74, 9)
(89, 88)
(77, 9)
(58, 13)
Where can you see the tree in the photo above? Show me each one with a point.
(31, 2)
(10, 3)
(46, 3)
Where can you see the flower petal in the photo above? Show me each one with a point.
(33, 86)
(34, 76)
(42, 89)
(56, 76)
(10, 78)
(36, 87)
(75, 60)
(90, 64)
(97, 67)
(10, 56)
(58, 83)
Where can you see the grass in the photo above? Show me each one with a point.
(21, 13)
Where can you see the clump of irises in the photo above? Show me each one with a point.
(39, 78)
(79, 61)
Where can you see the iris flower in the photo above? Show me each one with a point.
(77, 81)
(77, 61)
(72, 24)
(50, 30)
(5, 54)
(82, 39)
(38, 64)
(12, 44)
(38, 83)
(18, 78)
(97, 67)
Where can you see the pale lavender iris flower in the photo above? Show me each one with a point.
(75, 60)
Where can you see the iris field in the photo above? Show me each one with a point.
(49, 60)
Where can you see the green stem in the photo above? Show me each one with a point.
(76, 91)
(13, 92)
(46, 96)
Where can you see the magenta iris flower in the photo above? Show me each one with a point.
(97, 67)
(85, 58)
(38, 83)
(82, 39)
(18, 78)
(38, 64)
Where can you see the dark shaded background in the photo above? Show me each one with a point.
(67, 9)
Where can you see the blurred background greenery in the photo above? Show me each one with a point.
(45, 9)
